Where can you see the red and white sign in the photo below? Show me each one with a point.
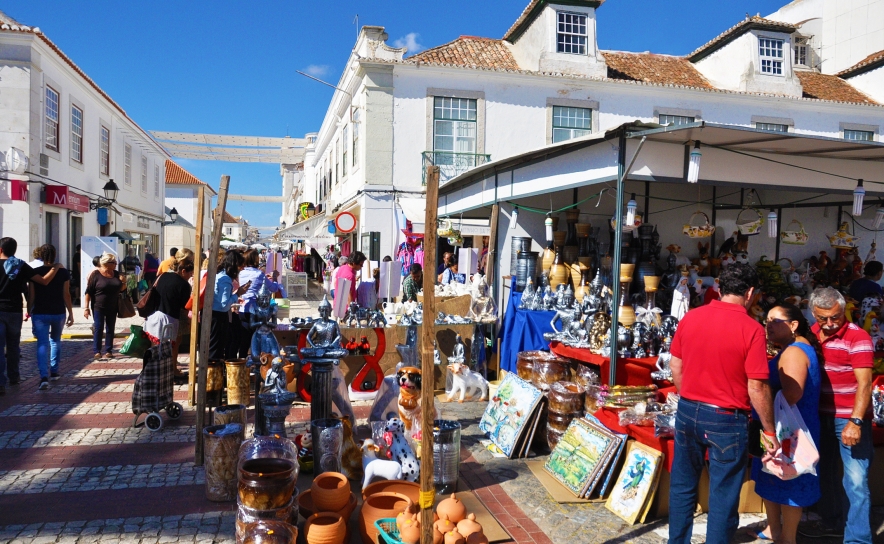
(18, 190)
(345, 222)
(63, 197)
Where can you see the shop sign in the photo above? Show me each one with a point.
(18, 190)
(63, 197)
(143, 222)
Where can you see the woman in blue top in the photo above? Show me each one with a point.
(225, 297)
(796, 372)
(450, 275)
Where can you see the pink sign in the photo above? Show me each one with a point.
(18, 190)
(63, 197)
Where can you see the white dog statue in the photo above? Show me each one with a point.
(377, 468)
(468, 383)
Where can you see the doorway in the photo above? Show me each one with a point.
(52, 230)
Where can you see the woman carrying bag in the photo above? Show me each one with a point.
(102, 300)
(225, 297)
(173, 291)
(48, 305)
(795, 372)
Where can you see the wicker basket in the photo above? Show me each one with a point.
(387, 529)
(704, 230)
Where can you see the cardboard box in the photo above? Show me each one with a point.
(750, 502)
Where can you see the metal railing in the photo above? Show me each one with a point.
(451, 164)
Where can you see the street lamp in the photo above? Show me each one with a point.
(282, 225)
(110, 196)
(173, 214)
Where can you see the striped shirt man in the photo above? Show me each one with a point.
(847, 349)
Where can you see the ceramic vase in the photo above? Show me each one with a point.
(331, 492)
(549, 255)
(452, 508)
(468, 526)
(519, 244)
(558, 272)
(411, 490)
(378, 506)
(325, 528)
(578, 267)
(559, 238)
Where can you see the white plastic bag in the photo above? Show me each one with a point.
(798, 453)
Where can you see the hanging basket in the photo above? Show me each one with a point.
(750, 223)
(455, 238)
(445, 229)
(794, 236)
(704, 230)
(843, 239)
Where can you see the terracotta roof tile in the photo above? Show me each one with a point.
(177, 175)
(653, 68)
(227, 218)
(869, 63)
(828, 87)
(471, 52)
(754, 22)
(532, 10)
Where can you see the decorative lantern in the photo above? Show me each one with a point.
(858, 194)
(772, 224)
(630, 210)
(694, 166)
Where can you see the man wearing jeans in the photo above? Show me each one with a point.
(719, 365)
(845, 422)
(14, 275)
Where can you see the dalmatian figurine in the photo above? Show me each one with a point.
(400, 451)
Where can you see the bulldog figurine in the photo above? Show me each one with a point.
(409, 379)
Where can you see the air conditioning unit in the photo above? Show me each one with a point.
(44, 164)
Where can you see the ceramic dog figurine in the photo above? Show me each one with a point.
(373, 467)
(409, 379)
(400, 451)
(467, 383)
(351, 457)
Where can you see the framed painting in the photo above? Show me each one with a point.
(612, 465)
(580, 455)
(509, 412)
(637, 482)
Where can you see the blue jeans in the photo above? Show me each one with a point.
(723, 434)
(10, 338)
(847, 502)
(103, 321)
(47, 330)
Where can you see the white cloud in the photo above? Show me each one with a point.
(317, 70)
(410, 42)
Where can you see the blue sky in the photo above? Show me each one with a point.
(226, 67)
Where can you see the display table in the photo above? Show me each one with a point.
(630, 371)
(522, 330)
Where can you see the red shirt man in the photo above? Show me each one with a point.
(845, 350)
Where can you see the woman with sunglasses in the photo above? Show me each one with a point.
(102, 298)
(796, 372)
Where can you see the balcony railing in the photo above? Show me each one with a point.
(452, 164)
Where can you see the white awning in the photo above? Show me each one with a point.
(415, 210)
(303, 230)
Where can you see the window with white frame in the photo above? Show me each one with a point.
(127, 165)
(156, 180)
(52, 135)
(104, 151)
(802, 45)
(143, 174)
(772, 127)
(337, 161)
(665, 119)
(355, 153)
(454, 128)
(571, 33)
(859, 135)
(77, 134)
(569, 122)
(770, 53)
(346, 146)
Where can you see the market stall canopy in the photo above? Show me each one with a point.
(416, 208)
(127, 238)
(741, 156)
(303, 230)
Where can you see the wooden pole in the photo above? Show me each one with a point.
(428, 371)
(197, 250)
(206, 324)
(490, 278)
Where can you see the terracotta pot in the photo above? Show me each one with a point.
(438, 538)
(347, 511)
(453, 537)
(444, 525)
(410, 533)
(378, 506)
(477, 538)
(409, 489)
(325, 528)
(305, 504)
(468, 526)
(452, 508)
(331, 492)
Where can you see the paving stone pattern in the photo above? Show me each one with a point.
(92, 478)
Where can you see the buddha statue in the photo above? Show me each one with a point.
(274, 392)
(324, 337)
(459, 353)
(263, 319)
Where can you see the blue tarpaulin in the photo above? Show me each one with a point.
(522, 330)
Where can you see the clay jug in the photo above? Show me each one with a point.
(477, 538)
(452, 508)
(558, 272)
(443, 524)
(438, 538)
(378, 506)
(549, 255)
(453, 537)
(325, 528)
(410, 532)
(468, 526)
(331, 492)
(583, 289)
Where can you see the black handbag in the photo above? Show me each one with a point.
(125, 308)
(149, 303)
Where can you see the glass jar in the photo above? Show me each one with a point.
(267, 483)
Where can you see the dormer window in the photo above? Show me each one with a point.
(770, 54)
(801, 46)
(571, 33)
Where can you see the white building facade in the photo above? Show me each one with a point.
(182, 195)
(474, 100)
(76, 139)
